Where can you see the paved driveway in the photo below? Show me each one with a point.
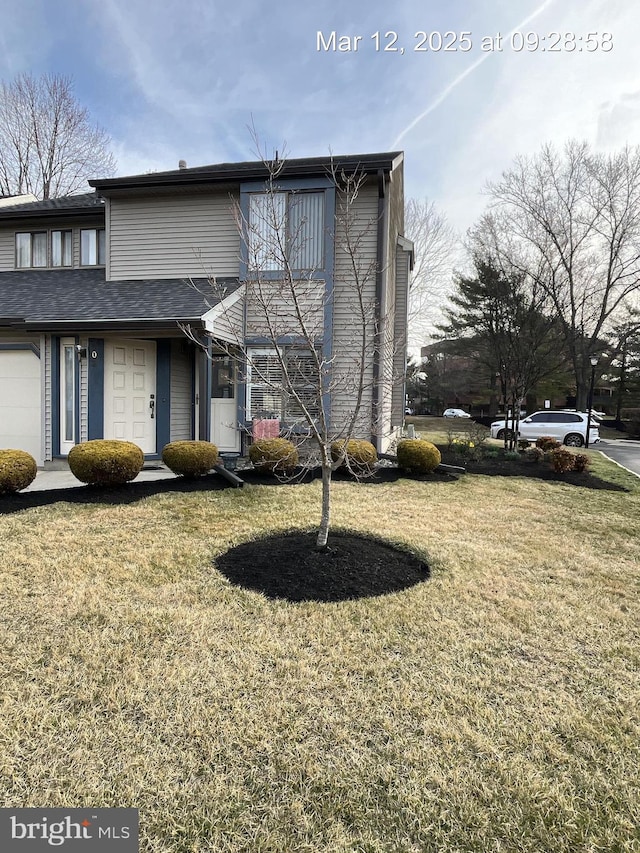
(627, 453)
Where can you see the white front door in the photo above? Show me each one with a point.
(130, 392)
(224, 409)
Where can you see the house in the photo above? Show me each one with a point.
(96, 289)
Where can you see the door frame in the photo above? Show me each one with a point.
(108, 392)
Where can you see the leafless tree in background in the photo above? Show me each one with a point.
(570, 221)
(48, 144)
(435, 246)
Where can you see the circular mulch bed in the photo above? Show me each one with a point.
(288, 566)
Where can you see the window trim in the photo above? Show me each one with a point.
(31, 235)
(283, 219)
(68, 405)
(62, 232)
(300, 185)
(283, 414)
(96, 246)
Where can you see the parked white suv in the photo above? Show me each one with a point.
(567, 427)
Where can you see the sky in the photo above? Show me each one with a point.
(187, 79)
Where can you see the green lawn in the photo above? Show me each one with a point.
(494, 707)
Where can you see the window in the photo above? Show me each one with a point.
(267, 395)
(31, 249)
(540, 418)
(92, 247)
(286, 225)
(68, 361)
(61, 249)
(223, 377)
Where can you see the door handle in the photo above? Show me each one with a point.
(152, 405)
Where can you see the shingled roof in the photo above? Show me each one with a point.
(82, 299)
(257, 169)
(66, 205)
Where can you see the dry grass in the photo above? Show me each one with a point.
(491, 708)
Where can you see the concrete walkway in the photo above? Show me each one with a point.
(64, 479)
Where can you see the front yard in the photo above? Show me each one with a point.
(493, 706)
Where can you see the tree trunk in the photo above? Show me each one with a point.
(493, 396)
(622, 384)
(325, 518)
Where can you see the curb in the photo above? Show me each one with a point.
(628, 470)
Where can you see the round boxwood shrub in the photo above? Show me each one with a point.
(562, 460)
(418, 456)
(18, 470)
(360, 455)
(546, 443)
(534, 454)
(581, 462)
(106, 462)
(190, 458)
(275, 455)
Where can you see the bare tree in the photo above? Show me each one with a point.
(48, 145)
(435, 245)
(323, 387)
(571, 223)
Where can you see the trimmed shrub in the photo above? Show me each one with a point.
(18, 470)
(534, 454)
(190, 458)
(491, 452)
(360, 455)
(276, 455)
(581, 462)
(523, 444)
(106, 462)
(562, 461)
(418, 456)
(546, 443)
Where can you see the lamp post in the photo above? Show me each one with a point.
(594, 360)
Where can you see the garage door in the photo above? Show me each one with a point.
(20, 412)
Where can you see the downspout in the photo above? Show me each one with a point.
(382, 211)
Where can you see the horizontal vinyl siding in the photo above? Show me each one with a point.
(271, 309)
(347, 316)
(7, 249)
(229, 325)
(400, 333)
(173, 237)
(181, 392)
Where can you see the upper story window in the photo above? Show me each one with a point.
(44, 249)
(31, 249)
(61, 248)
(286, 228)
(92, 247)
